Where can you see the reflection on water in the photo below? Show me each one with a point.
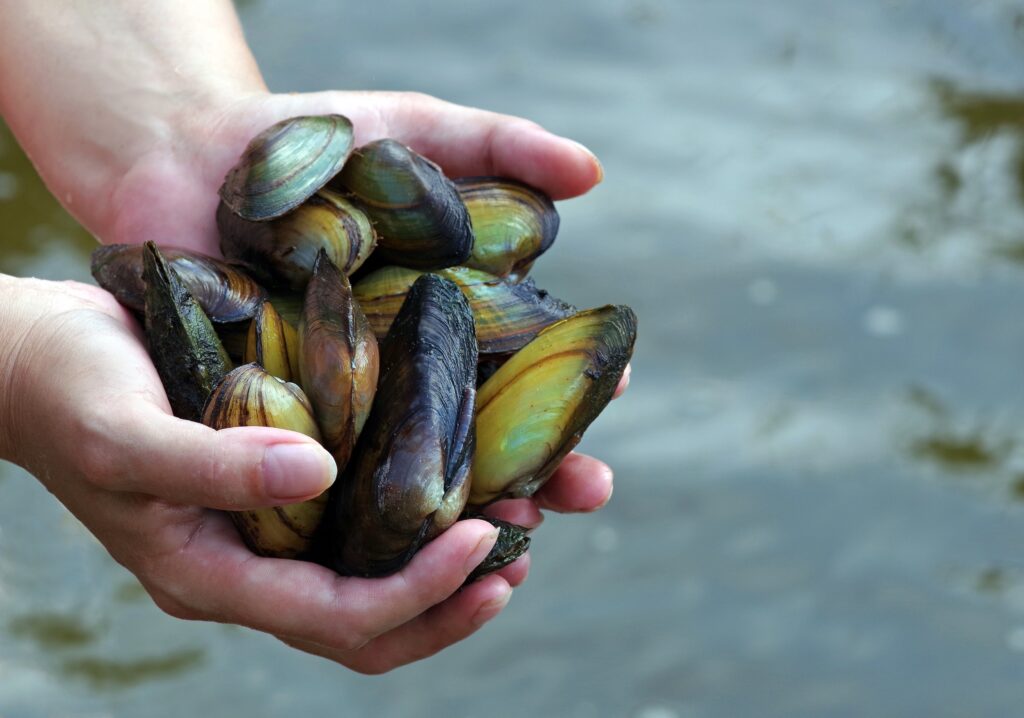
(961, 452)
(945, 442)
(985, 117)
(993, 580)
(52, 631)
(107, 674)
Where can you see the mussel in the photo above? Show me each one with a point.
(225, 293)
(338, 359)
(285, 165)
(182, 343)
(281, 252)
(512, 542)
(513, 224)
(407, 481)
(249, 396)
(535, 408)
(420, 220)
(273, 343)
(507, 315)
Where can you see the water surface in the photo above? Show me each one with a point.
(817, 211)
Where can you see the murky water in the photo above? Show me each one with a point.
(817, 210)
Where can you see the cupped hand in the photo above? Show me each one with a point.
(145, 483)
(104, 443)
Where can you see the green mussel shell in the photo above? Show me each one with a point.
(285, 165)
(512, 542)
(513, 224)
(281, 252)
(535, 408)
(507, 315)
(407, 479)
(184, 347)
(420, 220)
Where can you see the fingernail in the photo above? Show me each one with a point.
(297, 471)
(609, 477)
(480, 551)
(490, 609)
(593, 157)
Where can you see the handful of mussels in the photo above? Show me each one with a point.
(441, 380)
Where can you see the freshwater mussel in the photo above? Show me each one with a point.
(420, 219)
(225, 293)
(513, 224)
(250, 396)
(408, 479)
(417, 444)
(507, 315)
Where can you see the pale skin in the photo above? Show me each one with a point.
(132, 113)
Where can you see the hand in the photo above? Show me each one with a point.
(139, 479)
(91, 420)
(134, 138)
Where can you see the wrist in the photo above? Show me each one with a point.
(88, 113)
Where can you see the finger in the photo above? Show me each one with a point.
(441, 626)
(523, 512)
(141, 448)
(466, 141)
(580, 484)
(223, 581)
(623, 382)
(516, 572)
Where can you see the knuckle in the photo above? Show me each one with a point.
(174, 608)
(95, 456)
(354, 638)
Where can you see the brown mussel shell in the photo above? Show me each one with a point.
(281, 252)
(419, 217)
(513, 224)
(338, 359)
(535, 408)
(249, 396)
(507, 315)
(225, 294)
(285, 165)
(407, 479)
(184, 347)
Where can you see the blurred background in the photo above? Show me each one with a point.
(817, 211)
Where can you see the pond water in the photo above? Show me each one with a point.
(817, 211)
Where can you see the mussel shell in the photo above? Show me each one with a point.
(225, 293)
(285, 165)
(407, 479)
(513, 224)
(535, 408)
(507, 315)
(273, 343)
(339, 360)
(281, 252)
(184, 347)
(249, 396)
(419, 217)
(512, 542)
